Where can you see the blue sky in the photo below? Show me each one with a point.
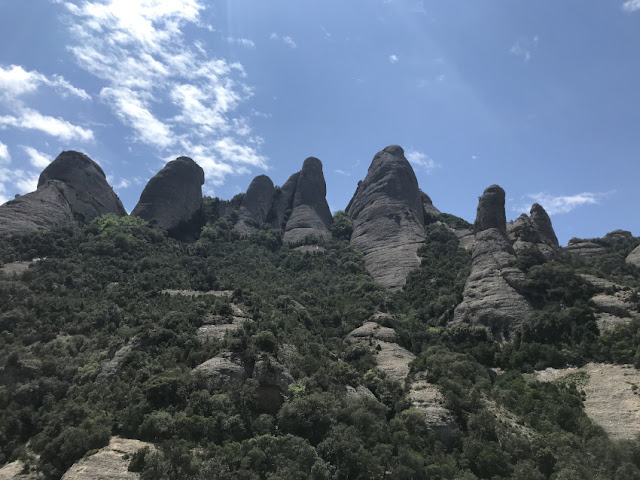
(541, 97)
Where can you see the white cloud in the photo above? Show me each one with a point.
(631, 5)
(421, 160)
(523, 48)
(16, 81)
(557, 204)
(36, 158)
(30, 119)
(285, 38)
(342, 172)
(168, 90)
(5, 157)
(25, 182)
(245, 42)
(393, 58)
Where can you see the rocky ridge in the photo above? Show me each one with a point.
(72, 190)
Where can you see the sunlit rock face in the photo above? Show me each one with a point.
(72, 190)
(388, 212)
(491, 298)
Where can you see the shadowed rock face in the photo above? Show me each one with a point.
(491, 212)
(387, 211)
(310, 214)
(283, 202)
(533, 231)
(256, 205)
(427, 204)
(491, 298)
(173, 196)
(634, 257)
(542, 222)
(72, 190)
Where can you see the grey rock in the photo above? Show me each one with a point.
(310, 214)
(112, 367)
(491, 212)
(542, 223)
(427, 399)
(222, 368)
(371, 331)
(619, 234)
(491, 295)
(584, 248)
(173, 197)
(427, 204)
(360, 391)
(268, 371)
(282, 204)
(634, 257)
(72, 190)
(387, 211)
(256, 205)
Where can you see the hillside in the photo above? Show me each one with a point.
(265, 338)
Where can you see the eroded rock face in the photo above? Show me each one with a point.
(173, 197)
(282, 204)
(110, 462)
(310, 214)
(72, 190)
(387, 211)
(533, 231)
(256, 205)
(491, 298)
(491, 212)
(584, 248)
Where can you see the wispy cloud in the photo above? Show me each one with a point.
(421, 160)
(245, 42)
(342, 172)
(393, 58)
(16, 81)
(288, 41)
(30, 119)
(631, 5)
(36, 158)
(523, 48)
(5, 157)
(558, 204)
(139, 52)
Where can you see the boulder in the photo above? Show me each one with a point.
(255, 206)
(543, 226)
(387, 211)
(634, 257)
(491, 298)
(223, 368)
(173, 197)
(310, 214)
(72, 190)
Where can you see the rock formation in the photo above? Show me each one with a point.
(533, 231)
(387, 211)
(310, 214)
(283, 202)
(584, 248)
(173, 197)
(427, 204)
(634, 257)
(255, 206)
(72, 190)
(490, 297)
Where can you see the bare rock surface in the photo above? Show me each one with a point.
(489, 297)
(543, 226)
(584, 248)
(427, 205)
(255, 206)
(634, 257)
(611, 401)
(282, 202)
(173, 197)
(371, 331)
(359, 391)
(17, 268)
(427, 399)
(387, 211)
(72, 190)
(198, 293)
(13, 471)
(310, 213)
(222, 368)
(110, 368)
(535, 231)
(207, 333)
(491, 213)
(314, 249)
(108, 463)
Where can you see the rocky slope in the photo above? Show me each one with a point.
(173, 197)
(490, 297)
(533, 231)
(387, 211)
(72, 190)
(255, 206)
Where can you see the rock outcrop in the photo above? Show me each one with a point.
(310, 214)
(72, 190)
(584, 248)
(110, 462)
(634, 257)
(387, 211)
(535, 231)
(491, 298)
(255, 206)
(282, 203)
(173, 197)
